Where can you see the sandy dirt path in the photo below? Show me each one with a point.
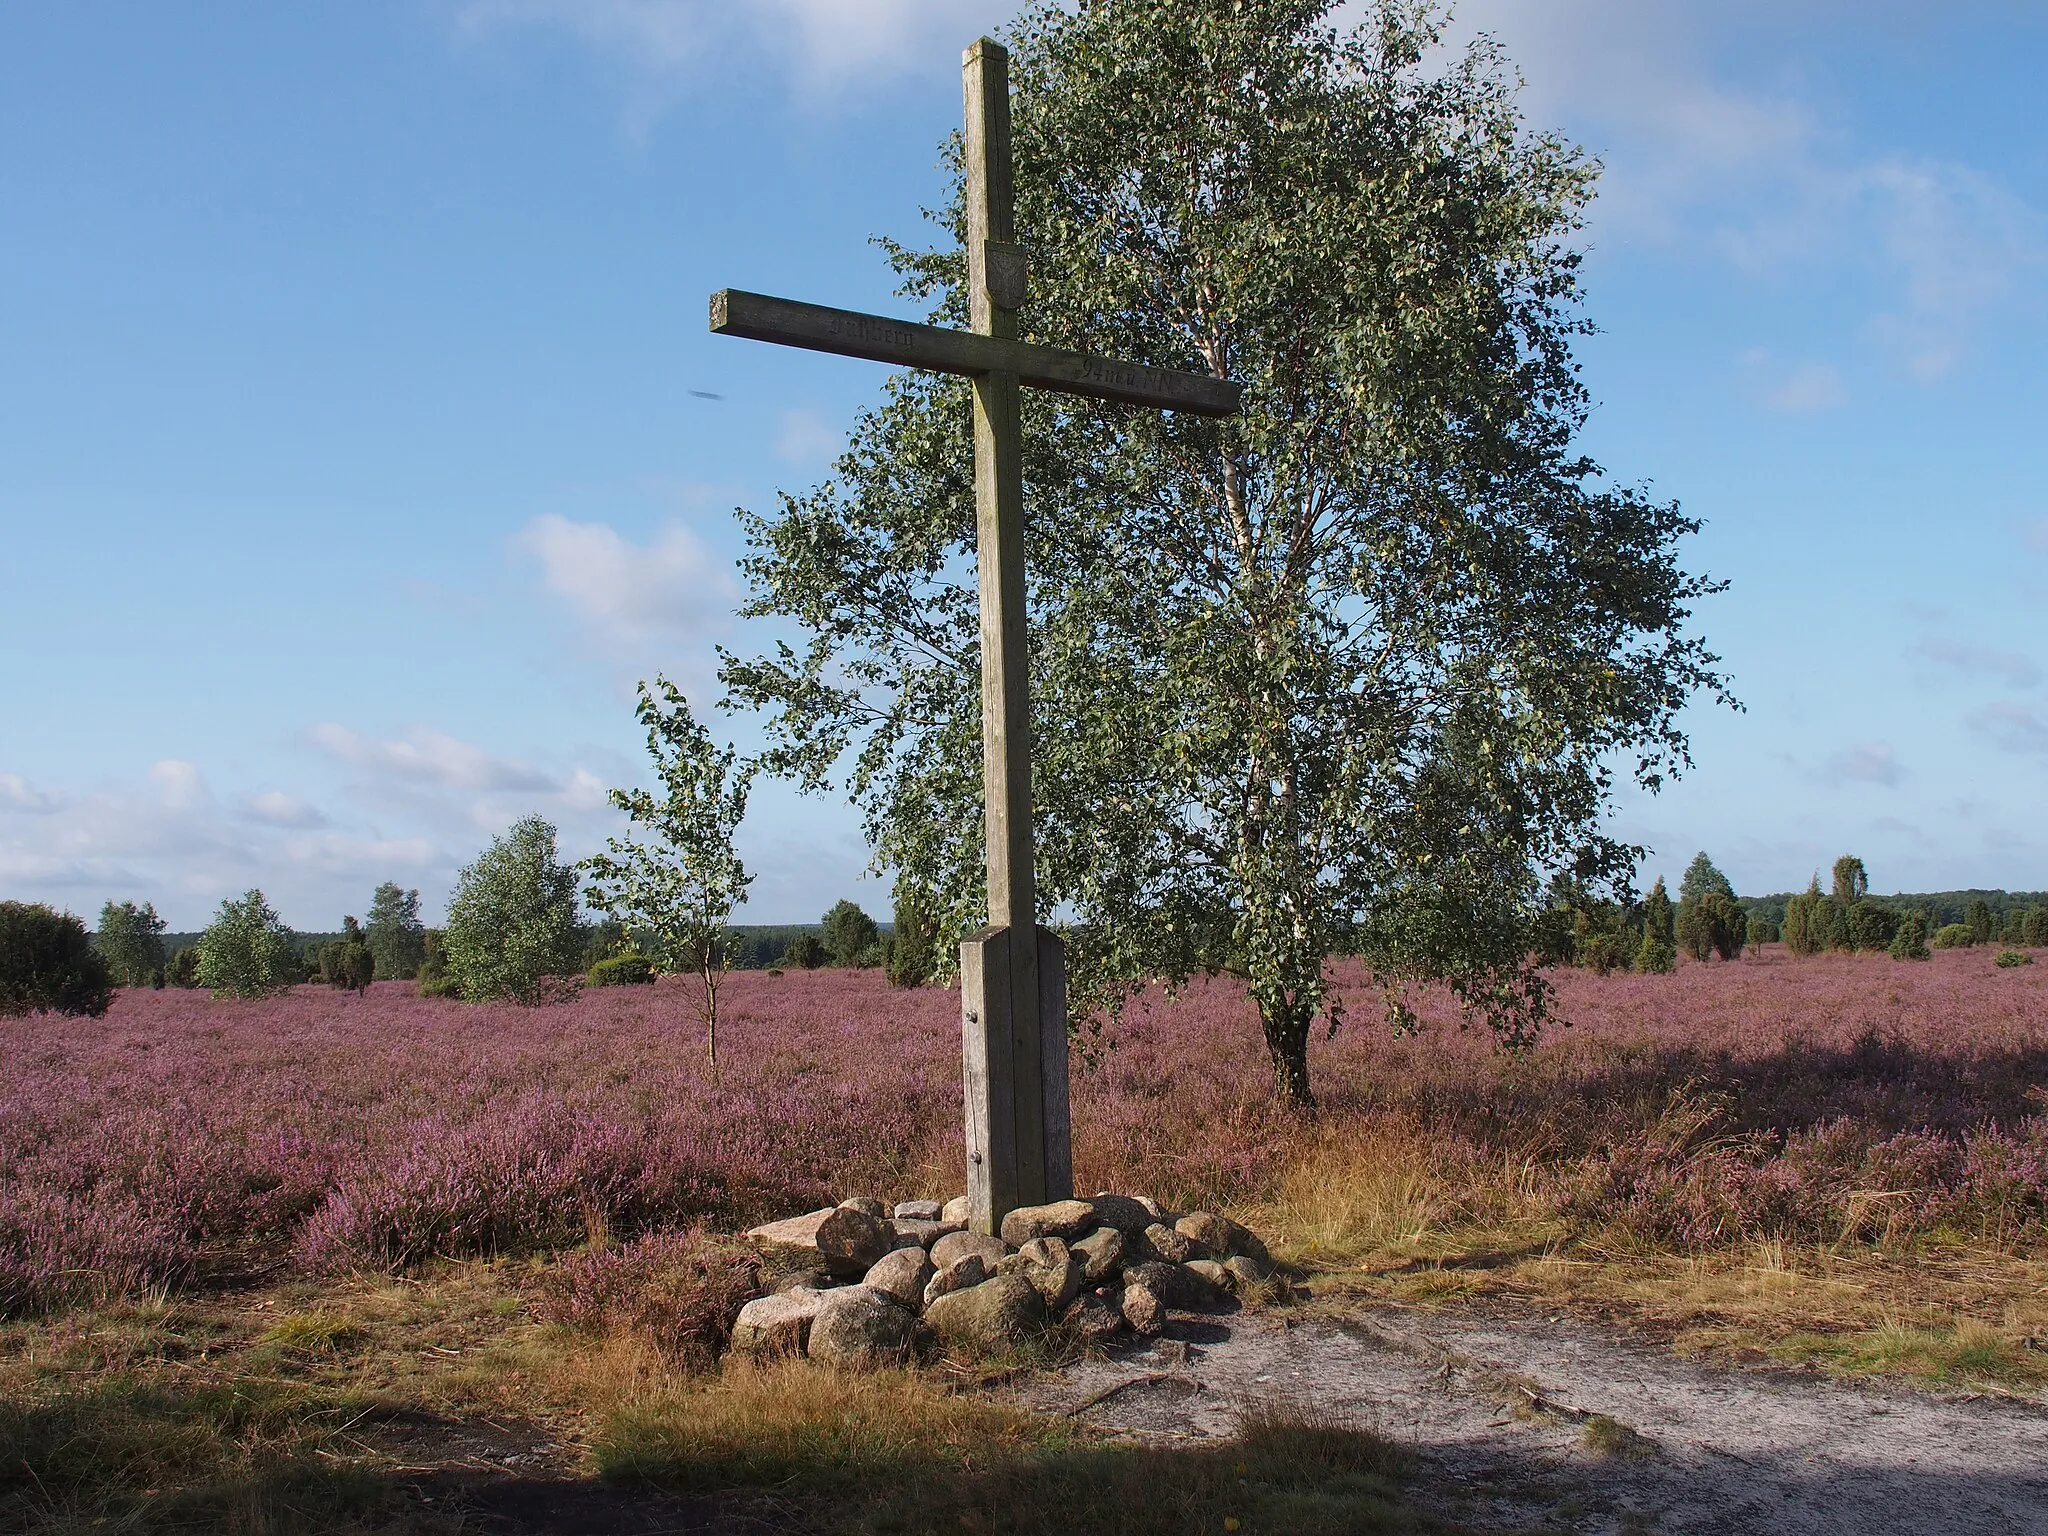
(1496, 1406)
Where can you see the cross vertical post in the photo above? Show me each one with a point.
(1013, 991)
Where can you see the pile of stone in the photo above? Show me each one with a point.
(857, 1285)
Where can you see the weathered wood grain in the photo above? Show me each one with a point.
(907, 344)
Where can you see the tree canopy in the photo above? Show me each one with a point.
(512, 919)
(132, 939)
(394, 933)
(247, 951)
(850, 934)
(1703, 878)
(1352, 671)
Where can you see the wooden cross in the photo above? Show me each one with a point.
(1013, 993)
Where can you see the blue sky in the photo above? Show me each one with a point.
(353, 460)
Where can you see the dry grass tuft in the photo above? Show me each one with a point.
(313, 1333)
(1610, 1437)
(762, 1424)
(1296, 1436)
(131, 1454)
(900, 1451)
(1386, 1215)
(1379, 1192)
(1354, 1192)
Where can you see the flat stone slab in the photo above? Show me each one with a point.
(1061, 1219)
(792, 1243)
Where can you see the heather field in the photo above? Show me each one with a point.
(1838, 1101)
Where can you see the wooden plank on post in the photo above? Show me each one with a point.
(907, 344)
(986, 1068)
(991, 190)
(1057, 1117)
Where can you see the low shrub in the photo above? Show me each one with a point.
(131, 938)
(1910, 942)
(58, 1247)
(1654, 957)
(627, 970)
(913, 952)
(2013, 957)
(1600, 940)
(1872, 925)
(851, 937)
(681, 1291)
(1713, 925)
(347, 964)
(1954, 936)
(48, 963)
(528, 1179)
(805, 953)
(512, 919)
(434, 978)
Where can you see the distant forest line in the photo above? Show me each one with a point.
(1938, 907)
(755, 946)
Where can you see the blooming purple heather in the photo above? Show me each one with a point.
(180, 1138)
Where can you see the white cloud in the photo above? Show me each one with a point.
(166, 838)
(457, 789)
(178, 782)
(1964, 247)
(17, 794)
(1809, 387)
(631, 593)
(2012, 728)
(427, 756)
(1871, 763)
(669, 45)
(1795, 389)
(275, 808)
(585, 791)
(1704, 151)
(802, 437)
(2010, 667)
(424, 802)
(1704, 147)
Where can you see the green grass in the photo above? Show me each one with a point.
(1965, 1355)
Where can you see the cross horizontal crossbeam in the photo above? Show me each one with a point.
(757, 317)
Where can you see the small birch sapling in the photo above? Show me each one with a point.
(674, 880)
